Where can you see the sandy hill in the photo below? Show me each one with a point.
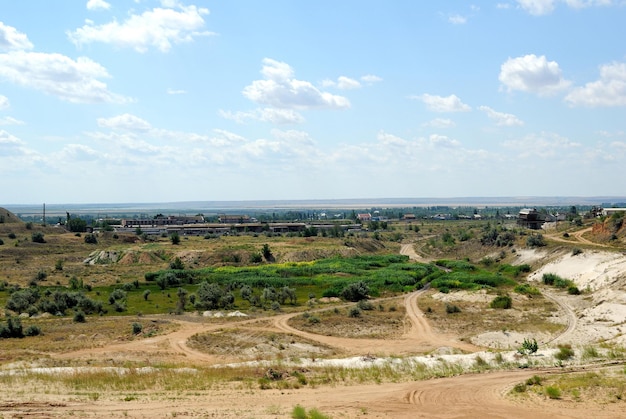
(7, 217)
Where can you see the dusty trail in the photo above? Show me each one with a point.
(467, 396)
(577, 236)
(572, 319)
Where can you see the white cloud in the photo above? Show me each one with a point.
(4, 102)
(125, 122)
(442, 141)
(159, 28)
(343, 83)
(457, 19)
(280, 89)
(450, 103)
(76, 81)
(98, 5)
(537, 7)
(176, 92)
(543, 145)
(371, 78)
(610, 90)
(273, 115)
(545, 7)
(531, 73)
(440, 123)
(12, 40)
(8, 140)
(502, 119)
(7, 120)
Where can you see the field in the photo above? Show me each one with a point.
(392, 323)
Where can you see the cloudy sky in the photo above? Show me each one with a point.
(177, 100)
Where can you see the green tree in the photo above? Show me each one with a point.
(175, 238)
(209, 295)
(182, 300)
(267, 252)
(355, 291)
(77, 225)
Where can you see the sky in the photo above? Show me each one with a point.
(181, 100)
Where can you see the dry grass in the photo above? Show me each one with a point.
(527, 315)
(63, 335)
(248, 344)
(383, 322)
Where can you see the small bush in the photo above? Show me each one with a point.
(565, 352)
(11, 235)
(452, 308)
(354, 312)
(535, 241)
(365, 305)
(535, 380)
(137, 328)
(576, 251)
(553, 392)
(91, 239)
(573, 290)
(79, 317)
(314, 320)
(528, 347)
(32, 330)
(502, 302)
(37, 237)
(527, 289)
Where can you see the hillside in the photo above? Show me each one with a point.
(7, 217)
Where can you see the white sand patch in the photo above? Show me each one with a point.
(589, 270)
(471, 296)
(528, 256)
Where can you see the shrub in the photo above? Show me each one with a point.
(527, 290)
(1, 242)
(553, 392)
(175, 238)
(354, 312)
(137, 328)
(256, 258)
(502, 302)
(451, 309)
(32, 330)
(37, 237)
(355, 291)
(79, 317)
(573, 290)
(11, 235)
(146, 294)
(365, 305)
(528, 347)
(91, 239)
(535, 240)
(314, 320)
(576, 251)
(565, 352)
(177, 264)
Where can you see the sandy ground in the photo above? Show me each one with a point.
(598, 315)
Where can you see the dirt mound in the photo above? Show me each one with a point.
(611, 229)
(7, 217)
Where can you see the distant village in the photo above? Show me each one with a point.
(198, 225)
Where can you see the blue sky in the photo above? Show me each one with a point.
(160, 101)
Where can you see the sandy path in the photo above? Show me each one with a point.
(467, 396)
(577, 236)
(572, 319)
